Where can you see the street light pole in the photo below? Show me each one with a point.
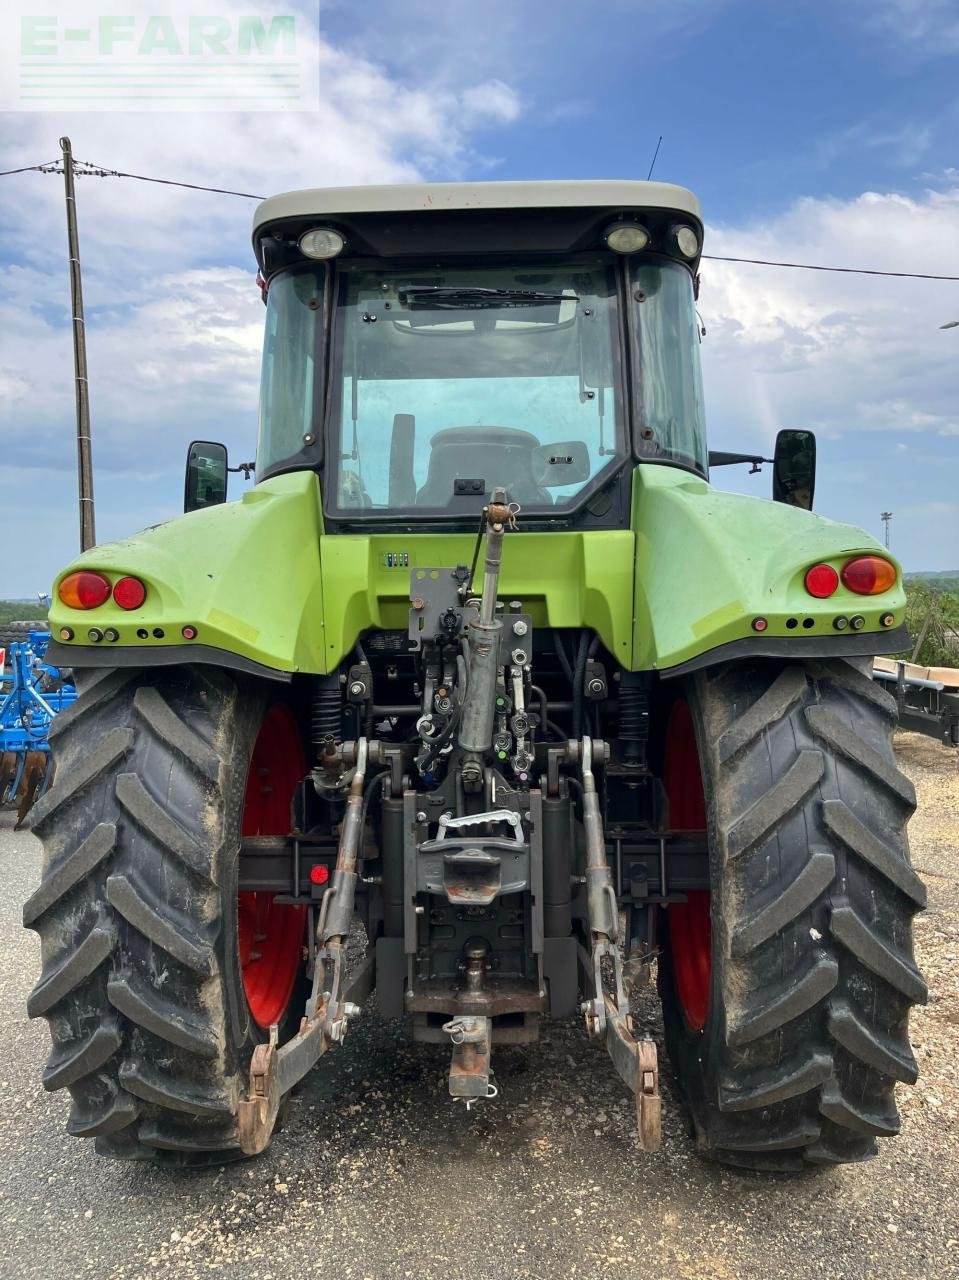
(886, 517)
(88, 534)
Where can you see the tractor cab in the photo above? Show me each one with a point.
(424, 345)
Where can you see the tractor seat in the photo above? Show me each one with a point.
(495, 455)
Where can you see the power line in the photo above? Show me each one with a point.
(49, 167)
(98, 171)
(851, 271)
(86, 169)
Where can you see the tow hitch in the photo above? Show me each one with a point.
(470, 1069)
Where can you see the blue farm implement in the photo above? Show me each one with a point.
(31, 693)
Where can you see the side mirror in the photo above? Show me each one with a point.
(557, 464)
(206, 475)
(794, 469)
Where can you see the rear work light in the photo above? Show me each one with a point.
(868, 575)
(129, 593)
(821, 580)
(84, 590)
(321, 243)
(627, 237)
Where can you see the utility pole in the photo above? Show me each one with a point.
(88, 535)
(886, 517)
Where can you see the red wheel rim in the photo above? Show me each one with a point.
(271, 934)
(690, 929)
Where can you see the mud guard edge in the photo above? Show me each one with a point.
(59, 655)
(859, 645)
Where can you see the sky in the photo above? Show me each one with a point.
(810, 131)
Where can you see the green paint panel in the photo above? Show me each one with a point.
(259, 578)
(563, 580)
(708, 563)
(245, 574)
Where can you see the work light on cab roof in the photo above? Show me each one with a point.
(321, 243)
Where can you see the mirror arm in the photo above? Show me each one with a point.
(246, 467)
(719, 459)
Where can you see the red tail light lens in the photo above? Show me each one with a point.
(821, 580)
(868, 575)
(84, 590)
(129, 593)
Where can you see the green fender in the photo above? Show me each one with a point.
(266, 590)
(245, 574)
(710, 564)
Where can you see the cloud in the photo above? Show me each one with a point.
(558, 54)
(900, 415)
(491, 102)
(898, 147)
(860, 360)
(839, 353)
(371, 126)
(930, 26)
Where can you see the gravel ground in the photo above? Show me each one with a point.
(377, 1174)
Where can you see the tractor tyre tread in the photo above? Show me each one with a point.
(813, 896)
(140, 982)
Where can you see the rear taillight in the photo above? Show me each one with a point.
(84, 590)
(129, 593)
(868, 575)
(821, 580)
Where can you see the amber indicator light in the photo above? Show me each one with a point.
(868, 575)
(84, 590)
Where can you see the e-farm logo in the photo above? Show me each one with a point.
(180, 58)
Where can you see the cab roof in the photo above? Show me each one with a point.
(447, 197)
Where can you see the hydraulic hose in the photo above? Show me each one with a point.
(561, 654)
(540, 697)
(579, 671)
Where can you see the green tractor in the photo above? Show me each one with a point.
(480, 700)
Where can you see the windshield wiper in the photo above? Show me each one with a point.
(431, 297)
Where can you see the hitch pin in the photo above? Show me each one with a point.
(491, 1092)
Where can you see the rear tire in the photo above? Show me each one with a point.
(141, 983)
(812, 975)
